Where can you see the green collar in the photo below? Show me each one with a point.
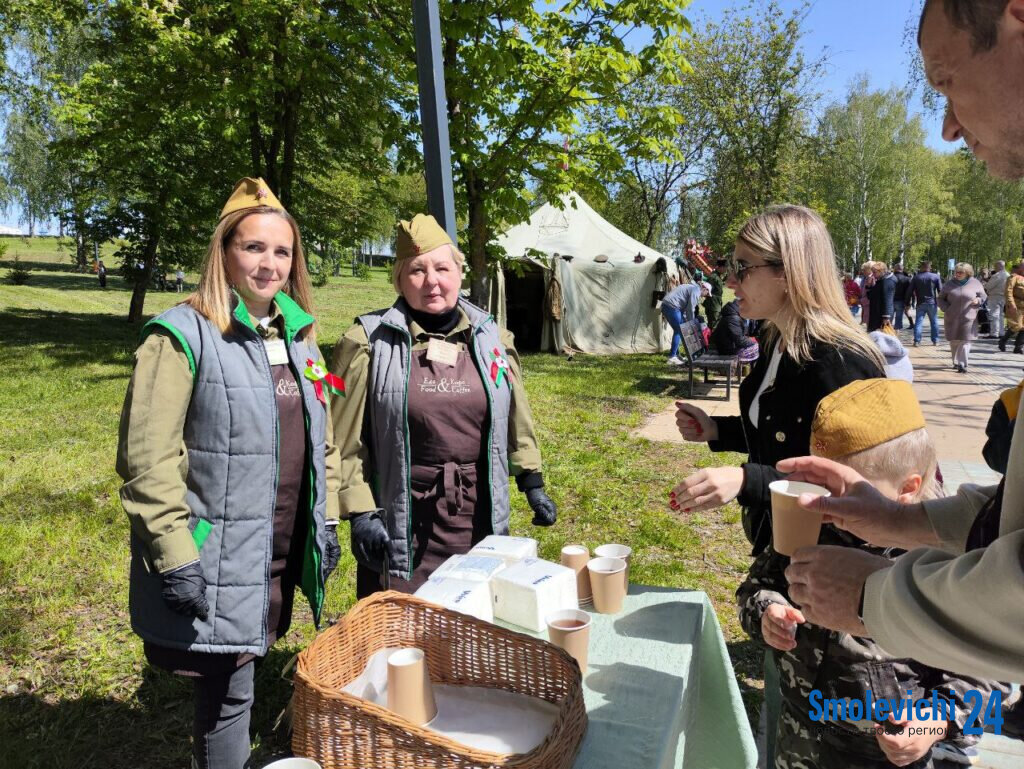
(295, 318)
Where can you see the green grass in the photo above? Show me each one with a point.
(74, 687)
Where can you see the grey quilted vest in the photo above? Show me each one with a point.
(390, 351)
(232, 441)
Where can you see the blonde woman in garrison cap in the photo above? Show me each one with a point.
(435, 421)
(230, 472)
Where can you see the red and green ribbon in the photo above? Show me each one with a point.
(499, 368)
(323, 379)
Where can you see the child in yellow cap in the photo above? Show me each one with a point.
(876, 427)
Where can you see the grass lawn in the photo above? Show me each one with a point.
(74, 687)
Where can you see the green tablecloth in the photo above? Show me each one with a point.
(660, 690)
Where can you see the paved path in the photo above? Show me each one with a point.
(956, 408)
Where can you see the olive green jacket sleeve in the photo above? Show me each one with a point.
(351, 361)
(151, 455)
(523, 450)
(152, 458)
(951, 611)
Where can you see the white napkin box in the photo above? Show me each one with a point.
(526, 592)
(472, 598)
(471, 568)
(509, 549)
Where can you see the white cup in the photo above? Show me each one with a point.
(293, 763)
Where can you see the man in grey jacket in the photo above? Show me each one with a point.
(995, 287)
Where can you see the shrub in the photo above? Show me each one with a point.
(319, 277)
(361, 270)
(17, 275)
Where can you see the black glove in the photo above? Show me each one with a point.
(370, 540)
(184, 590)
(544, 511)
(332, 552)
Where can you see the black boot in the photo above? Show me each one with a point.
(1018, 344)
(1003, 340)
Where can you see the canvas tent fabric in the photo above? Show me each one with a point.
(608, 305)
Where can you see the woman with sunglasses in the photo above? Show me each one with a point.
(783, 271)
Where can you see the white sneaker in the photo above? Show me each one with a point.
(675, 361)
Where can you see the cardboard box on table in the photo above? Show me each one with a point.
(526, 592)
(471, 568)
(509, 549)
(465, 596)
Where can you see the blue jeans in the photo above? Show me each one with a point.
(674, 317)
(897, 311)
(932, 311)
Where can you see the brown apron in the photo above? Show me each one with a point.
(448, 428)
(288, 543)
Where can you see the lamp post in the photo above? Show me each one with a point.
(437, 158)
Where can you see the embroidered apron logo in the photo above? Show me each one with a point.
(499, 368)
(288, 388)
(318, 374)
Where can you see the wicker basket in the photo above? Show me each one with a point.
(345, 732)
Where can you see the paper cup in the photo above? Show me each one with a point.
(616, 551)
(794, 527)
(576, 557)
(569, 629)
(410, 694)
(293, 763)
(606, 580)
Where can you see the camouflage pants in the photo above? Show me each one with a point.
(802, 744)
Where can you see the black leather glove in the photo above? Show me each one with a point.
(184, 590)
(544, 511)
(370, 540)
(332, 552)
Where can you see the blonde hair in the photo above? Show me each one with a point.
(895, 460)
(796, 239)
(212, 297)
(396, 269)
(967, 268)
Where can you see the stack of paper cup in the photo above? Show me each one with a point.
(608, 584)
(410, 694)
(616, 551)
(576, 557)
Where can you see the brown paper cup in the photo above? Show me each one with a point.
(794, 527)
(576, 557)
(569, 629)
(606, 580)
(616, 551)
(410, 693)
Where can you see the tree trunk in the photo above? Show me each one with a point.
(478, 293)
(142, 280)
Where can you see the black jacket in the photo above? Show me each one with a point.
(729, 338)
(902, 287)
(786, 413)
(880, 299)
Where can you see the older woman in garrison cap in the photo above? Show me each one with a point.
(230, 472)
(434, 422)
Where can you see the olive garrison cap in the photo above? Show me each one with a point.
(250, 193)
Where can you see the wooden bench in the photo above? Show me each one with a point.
(699, 356)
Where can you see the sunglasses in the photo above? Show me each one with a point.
(741, 270)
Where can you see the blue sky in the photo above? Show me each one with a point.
(862, 36)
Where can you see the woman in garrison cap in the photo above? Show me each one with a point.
(230, 472)
(434, 422)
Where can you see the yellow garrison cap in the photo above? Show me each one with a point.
(250, 193)
(864, 414)
(418, 236)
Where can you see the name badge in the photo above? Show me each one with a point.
(442, 352)
(277, 353)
